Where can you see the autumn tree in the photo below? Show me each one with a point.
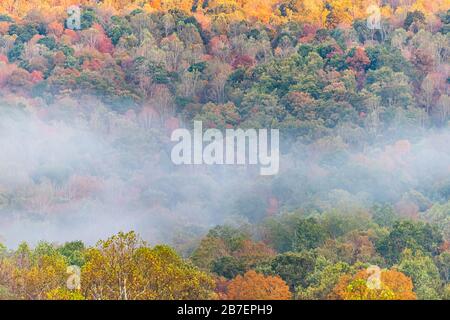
(309, 234)
(394, 285)
(123, 267)
(409, 235)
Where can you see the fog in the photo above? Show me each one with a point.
(85, 177)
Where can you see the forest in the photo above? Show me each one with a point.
(92, 208)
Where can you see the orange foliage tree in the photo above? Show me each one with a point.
(256, 286)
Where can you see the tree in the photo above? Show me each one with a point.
(390, 57)
(321, 281)
(383, 215)
(6, 274)
(358, 60)
(338, 222)
(74, 252)
(88, 18)
(228, 267)
(409, 235)
(229, 252)
(352, 248)
(443, 264)
(104, 44)
(393, 88)
(256, 286)
(428, 87)
(394, 286)
(218, 116)
(123, 267)
(423, 272)
(233, 237)
(279, 231)
(64, 294)
(218, 73)
(253, 253)
(443, 109)
(293, 267)
(47, 272)
(414, 20)
(55, 28)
